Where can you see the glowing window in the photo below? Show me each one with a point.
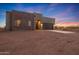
(29, 23)
(18, 22)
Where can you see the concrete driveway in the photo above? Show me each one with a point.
(64, 32)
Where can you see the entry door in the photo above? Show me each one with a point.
(39, 25)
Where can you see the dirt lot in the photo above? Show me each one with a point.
(39, 42)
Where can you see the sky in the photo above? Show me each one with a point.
(62, 12)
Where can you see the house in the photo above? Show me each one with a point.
(19, 20)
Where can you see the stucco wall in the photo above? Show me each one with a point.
(25, 17)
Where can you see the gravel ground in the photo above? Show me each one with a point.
(38, 43)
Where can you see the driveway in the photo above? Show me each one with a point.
(39, 42)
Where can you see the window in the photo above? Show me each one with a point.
(18, 22)
(29, 23)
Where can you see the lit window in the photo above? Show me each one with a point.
(18, 22)
(29, 23)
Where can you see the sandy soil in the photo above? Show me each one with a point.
(39, 42)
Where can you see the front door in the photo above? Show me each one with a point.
(39, 25)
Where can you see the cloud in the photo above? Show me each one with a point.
(65, 12)
(38, 9)
(65, 16)
(65, 19)
(50, 8)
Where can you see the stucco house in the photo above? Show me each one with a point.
(19, 20)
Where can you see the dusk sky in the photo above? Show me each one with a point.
(62, 12)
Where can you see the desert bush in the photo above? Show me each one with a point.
(67, 28)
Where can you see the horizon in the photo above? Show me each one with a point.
(62, 12)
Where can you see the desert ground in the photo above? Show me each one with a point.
(39, 42)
